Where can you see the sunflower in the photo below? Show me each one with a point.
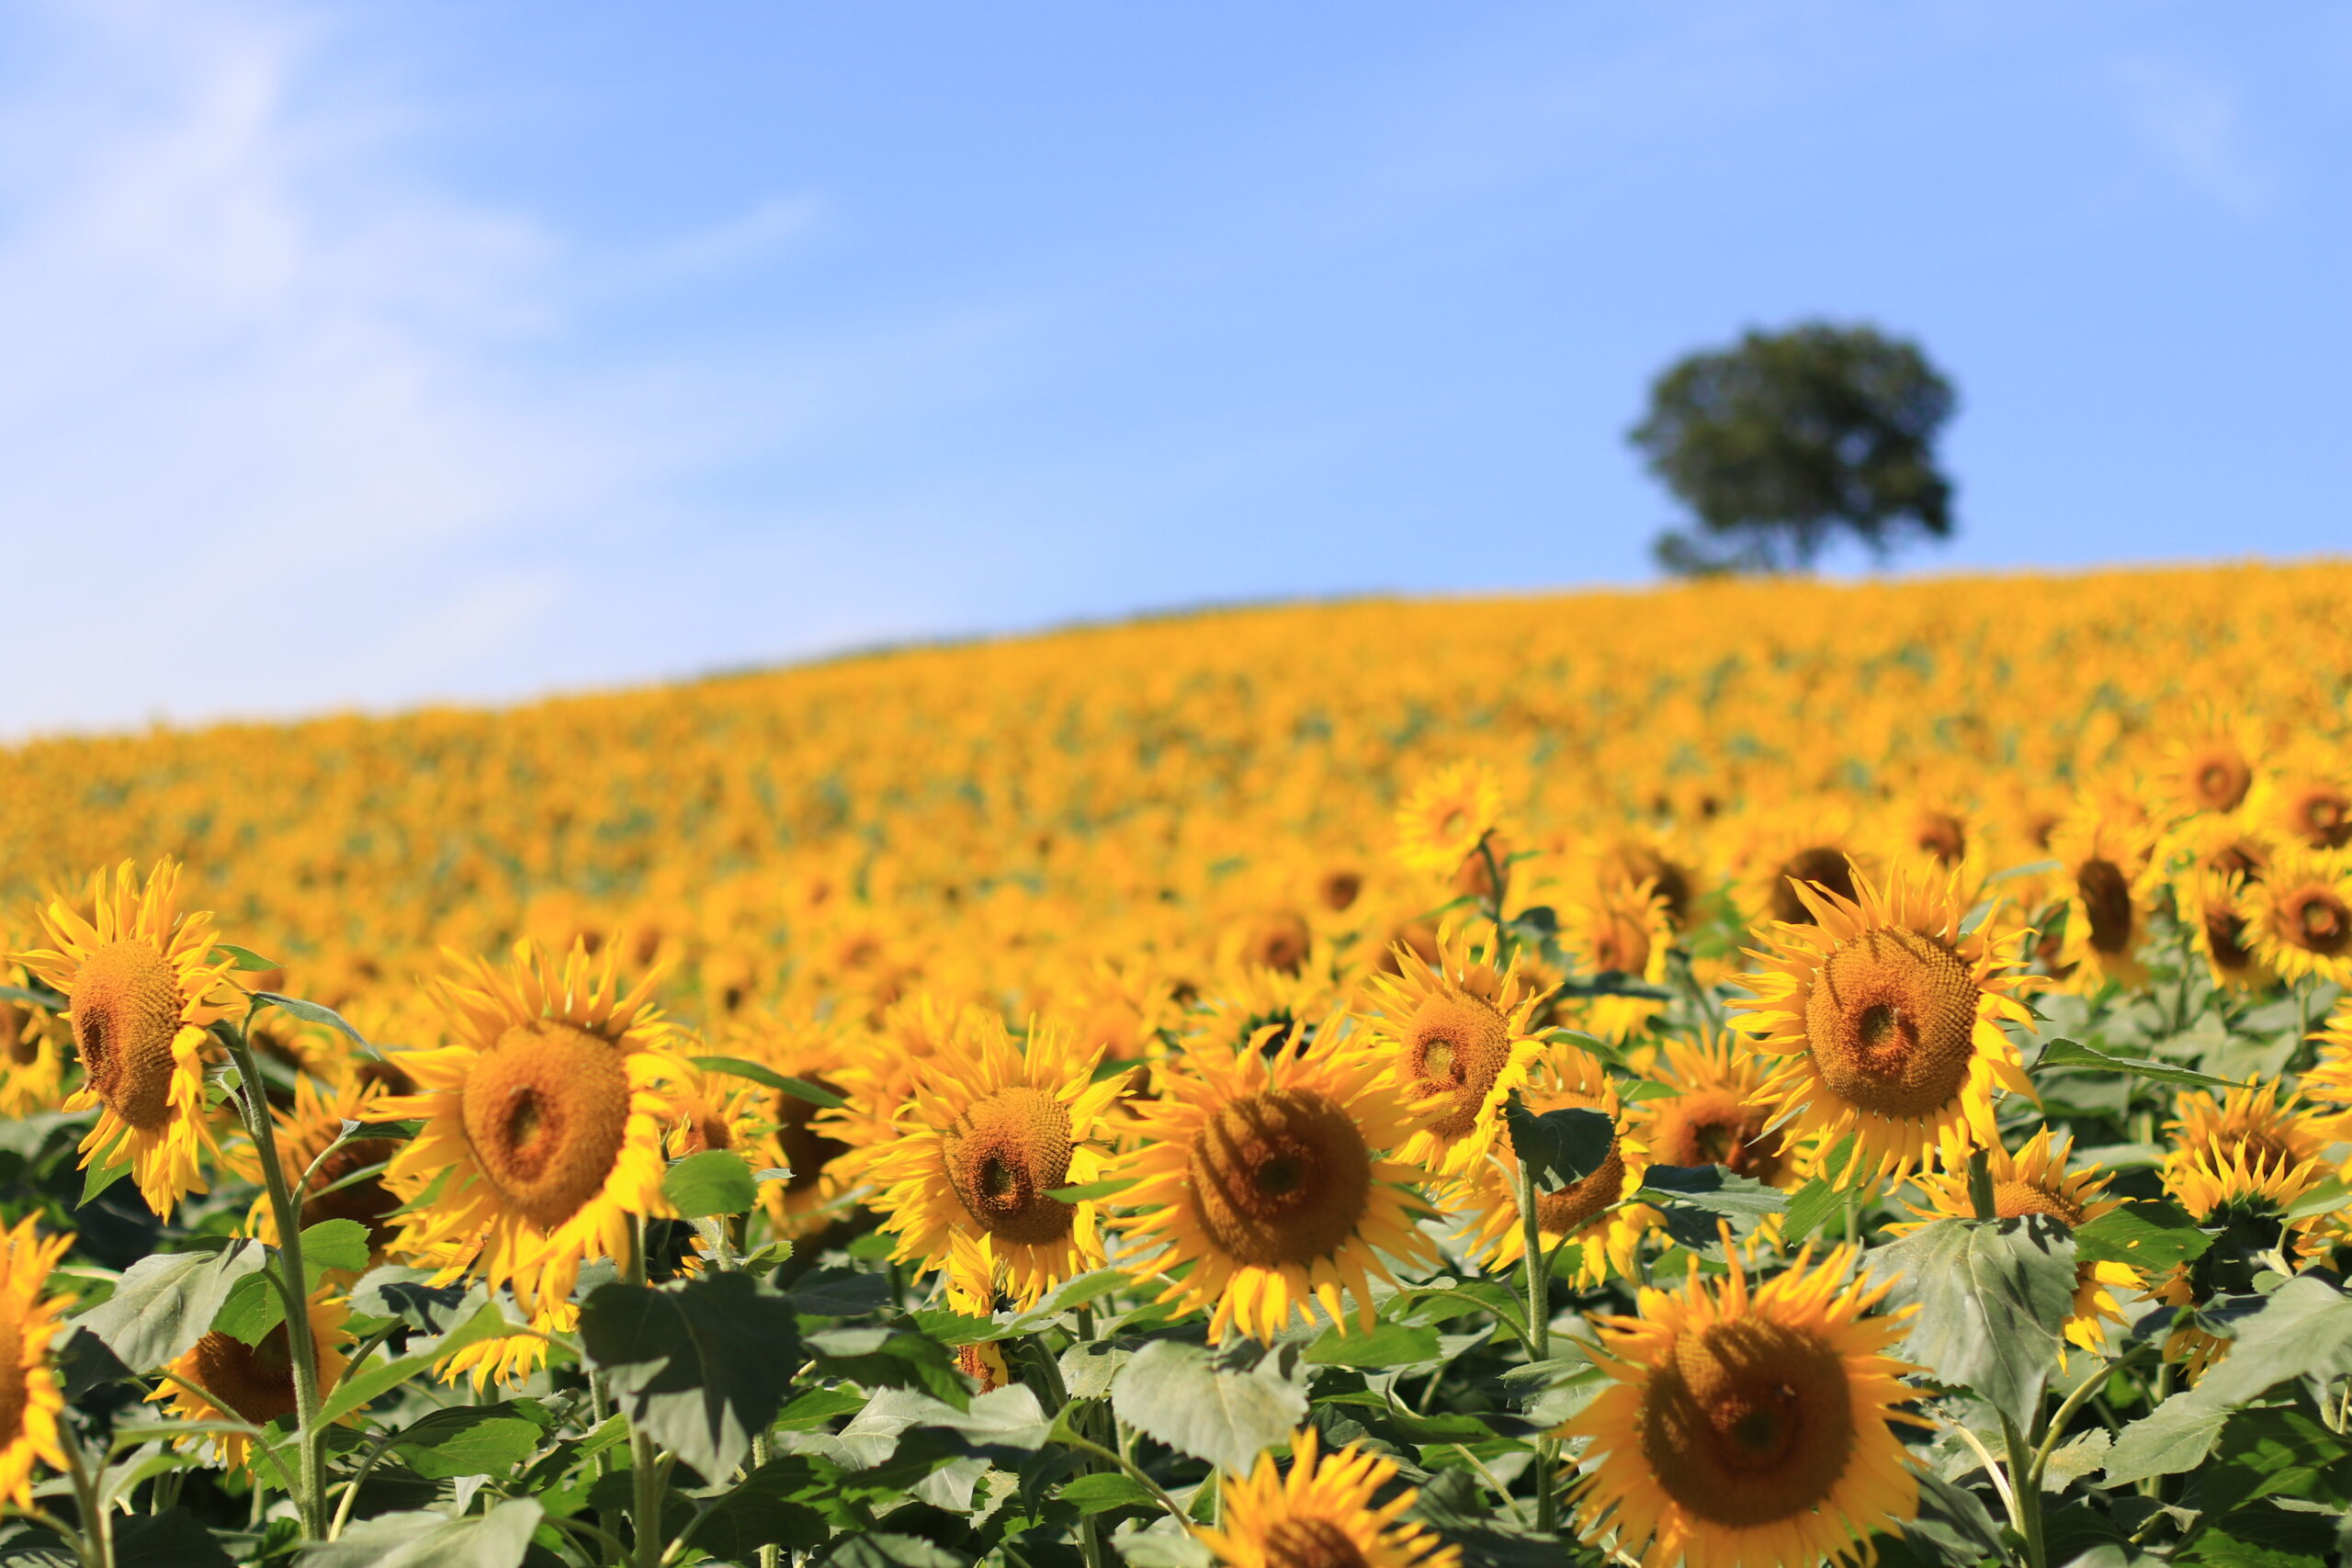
(877, 1076)
(2313, 807)
(32, 1060)
(1631, 861)
(336, 1190)
(542, 1136)
(2211, 768)
(221, 1378)
(145, 983)
(1444, 820)
(31, 1399)
(1455, 1035)
(1321, 1514)
(1263, 1176)
(782, 1129)
(2245, 1205)
(2212, 906)
(2035, 1180)
(2269, 1131)
(508, 1359)
(1588, 1213)
(1716, 1115)
(1617, 929)
(1820, 844)
(2330, 1078)
(2103, 849)
(1890, 1016)
(1746, 1430)
(2225, 846)
(2300, 917)
(992, 1128)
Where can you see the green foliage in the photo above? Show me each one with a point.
(1559, 1147)
(163, 1305)
(1225, 1408)
(701, 1364)
(1991, 1296)
(712, 1182)
(1786, 439)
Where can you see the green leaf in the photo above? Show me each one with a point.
(2074, 1054)
(884, 1549)
(101, 1175)
(468, 1439)
(1561, 1147)
(891, 1358)
(702, 1365)
(163, 1305)
(252, 1309)
(2176, 1437)
(1810, 1207)
(1695, 1198)
(409, 1294)
(333, 1244)
(1101, 1494)
(2147, 1235)
(310, 1013)
(1093, 1192)
(1069, 1295)
(362, 1386)
(1090, 1367)
(776, 1505)
(172, 1539)
(839, 1293)
(45, 1000)
(1388, 1345)
(247, 959)
(1992, 1295)
(1184, 1396)
(427, 1540)
(714, 1182)
(768, 1077)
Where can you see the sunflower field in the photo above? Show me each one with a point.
(1743, 1075)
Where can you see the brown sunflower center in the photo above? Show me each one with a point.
(2237, 857)
(1456, 1044)
(2219, 779)
(1339, 889)
(2316, 920)
(546, 1110)
(1280, 942)
(2013, 1199)
(1567, 1210)
(1890, 1020)
(16, 1036)
(254, 1382)
(807, 1150)
(2106, 903)
(2225, 935)
(366, 1200)
(1942, 835)
(1280, 1177)
(1302, 1542)
(1748, 1422)
(1622, 943)
(1713, 1126)
(2322, 817)
(1824, 863)
(1004, 1156)
(125, 1010)
(16, 1395)
(2265, 1152)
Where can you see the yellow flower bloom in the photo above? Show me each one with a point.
(1584, 1212)
(1445, 818)
(221, 1378)
(1321, 1514)
(31, 1399)
(1455, 1035)
(2299, 917)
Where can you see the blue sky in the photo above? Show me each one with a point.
(360, 354)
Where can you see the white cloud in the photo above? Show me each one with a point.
(2195, 124)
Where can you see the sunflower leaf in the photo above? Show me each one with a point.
(701, 1365)
(768, 1077)
(1178, 1395)
(1562, 1147)
(1697, 1198)
(425, 1538)
(1992, 1296)
(2064, 1052)
(891, 1358)
(43, 999)
(2147, 1234)
(163, 1305)
(309, 1012)
(1092, 1190)
(1388, 1345)
(714, 1182)
(247, 959)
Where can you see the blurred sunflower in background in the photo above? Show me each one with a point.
(144, 984)
(30, 1398)
(1717, 1113)
(2299, 917)
(2103, 848)
(1446, 817)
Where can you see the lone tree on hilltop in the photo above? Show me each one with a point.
(1780, 441)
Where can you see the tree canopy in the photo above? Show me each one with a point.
(1784, 440)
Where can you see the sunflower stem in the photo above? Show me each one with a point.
(1539, 1330)
(301, 1351)
(645, 1476)
(1495, 893)
(2025, 1485)
(93, 1539)
(1980, 1185)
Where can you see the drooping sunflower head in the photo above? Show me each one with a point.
(1889, 1015)
(543, 1119)
(1587, 1213)
(1445, 819)
(1632, 861)
(2300, 916)
(1455, 1034)
(2103, 849)
(145, 983)
(1717, 1114)
(2212, 906)
(30, 1398)
(1262, 1182)
(345, 1176)
(36, 1057)
(992, 1131)
(2036, 1180)
(222, 1377)
(2270, 1130)
(2243, 1205)
(1749, 1429)
(1618, 928)
(1324, 1513)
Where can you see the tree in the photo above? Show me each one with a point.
(1784, 439)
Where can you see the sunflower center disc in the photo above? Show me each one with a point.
(1004, 1156)
(1890, 1021)
(366, 1200)
(2225, 934)
(14, 1394)
(2107, 900)
(1820, 863)
(546, 1110)
(125, 1010)
(1566, 1212)
(1280, 1177)
(1711, 1127)
(2013, 1199)
(1281, 942)
(257, 1381)
(1311, 1543)
(2221, 782)
(1457, 1046)
(2325, 820)
(806, 1151)
(1748, 1422)
(2318, 921)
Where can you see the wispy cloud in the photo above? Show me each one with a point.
(2194, 122)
